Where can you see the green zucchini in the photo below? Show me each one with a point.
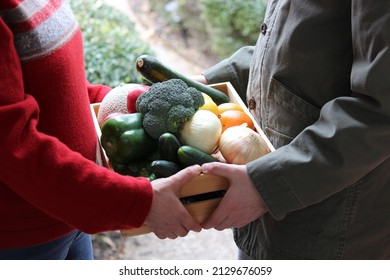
(190, 156)
(164, 168)
(155, 71)
(168, 146)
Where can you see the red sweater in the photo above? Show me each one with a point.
(49, 182)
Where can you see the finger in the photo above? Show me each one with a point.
(191, 224)
(184, 176)
(182, 231)
(217, 168)
(224, 224)
(163, 234)
(187, 221)
(160, 234)
(171, 235)
(216, 223)
(216, 218)
(230, 223)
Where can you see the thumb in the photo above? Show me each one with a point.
(184, 176)
(217, 168)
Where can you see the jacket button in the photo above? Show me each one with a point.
(263, 28)
(251, 104)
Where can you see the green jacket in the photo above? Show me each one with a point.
(319, 87)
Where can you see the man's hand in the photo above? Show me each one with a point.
(241, 204)
(168, 218)
(200, 78)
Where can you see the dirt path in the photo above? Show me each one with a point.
(170, 47)
(208, 244)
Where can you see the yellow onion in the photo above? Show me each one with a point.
(240, 145)
(202, 131)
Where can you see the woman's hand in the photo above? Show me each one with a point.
(168, 218)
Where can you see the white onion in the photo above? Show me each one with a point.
(202, 131)
(240, 145)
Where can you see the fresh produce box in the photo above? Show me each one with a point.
(202, 194)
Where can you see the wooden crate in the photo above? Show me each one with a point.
(204, 183)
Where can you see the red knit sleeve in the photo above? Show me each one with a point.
(97, 92)
(47, 174)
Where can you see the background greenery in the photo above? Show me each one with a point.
(111, 44)
(232, 23)
(223, 25)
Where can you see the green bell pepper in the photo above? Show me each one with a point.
(125, 140)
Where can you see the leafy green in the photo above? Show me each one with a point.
(111, 43)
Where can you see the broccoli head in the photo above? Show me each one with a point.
(177, 116)
(197, 97)
(167, 105)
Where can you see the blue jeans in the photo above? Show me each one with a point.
(73, 246)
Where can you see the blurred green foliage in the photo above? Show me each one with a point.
(232, 24)
(222, 25)
(111, 43)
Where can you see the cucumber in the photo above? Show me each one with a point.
(154, 71)
(168, 146)
(190, 156)
(164, 168)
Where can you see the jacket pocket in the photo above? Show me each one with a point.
(286, 114)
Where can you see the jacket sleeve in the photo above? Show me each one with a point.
(351, 137)
(234, 69)
(47, 174)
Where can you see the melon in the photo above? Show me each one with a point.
(115, 101)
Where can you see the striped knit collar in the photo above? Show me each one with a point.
(40, 26)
